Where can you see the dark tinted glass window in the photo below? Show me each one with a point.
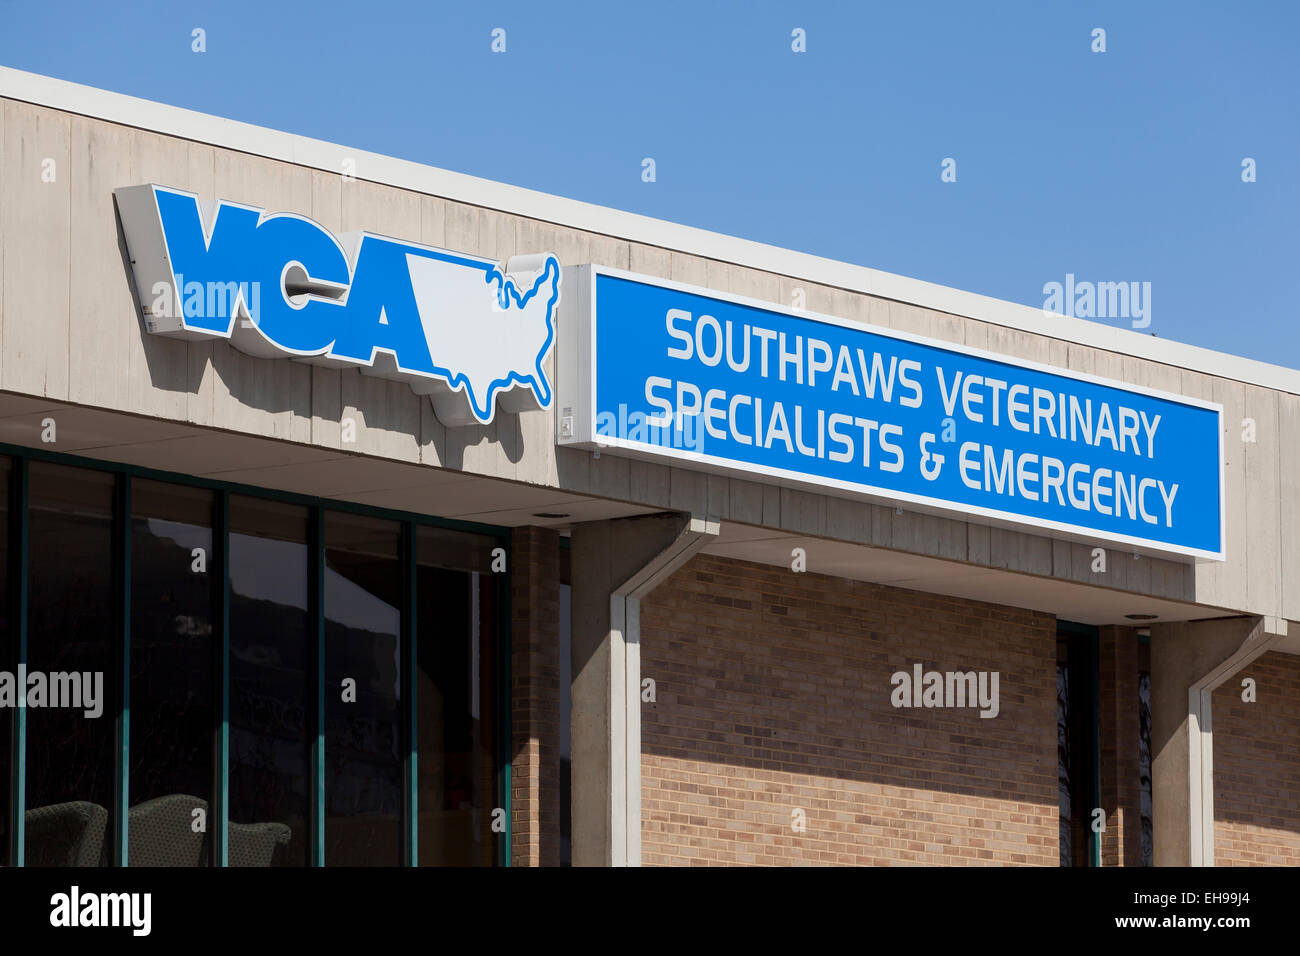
(172, 691)
(72, 630)
(1147, 844)
(456, 694)
(167, 768)
(269, 692)
(363, 759)
(1076, 722)
(566, 706)
(8, 667)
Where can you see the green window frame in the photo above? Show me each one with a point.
(21, 456)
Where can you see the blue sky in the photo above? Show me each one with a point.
(1116, 166)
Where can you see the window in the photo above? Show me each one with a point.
(8, 668)
(364, 760)
(270, 697)
(1145, 816)
(1078, 752)
(456, 730)
(71, 636)
(225, 677)
(172, 675)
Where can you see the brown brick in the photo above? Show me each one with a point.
(773, 693)
(1257, 766)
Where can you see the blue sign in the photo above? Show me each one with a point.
(281, 284)
(745, 388)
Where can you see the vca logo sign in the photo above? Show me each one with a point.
(461, 330)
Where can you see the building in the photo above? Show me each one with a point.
(334, 532)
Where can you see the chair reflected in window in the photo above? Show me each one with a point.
(169, 831)
(66, 834)
(166, 832)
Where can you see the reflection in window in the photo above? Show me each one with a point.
(269, 693)
(457, 773)
(171, 755)
(566, 707)
(363, 739)
(1063, 764)
(8, 664)
(1144, 768)
(83, 589)
(1076, 727)
(71, 631)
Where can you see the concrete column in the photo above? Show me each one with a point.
(1188, 660)
(615, 563)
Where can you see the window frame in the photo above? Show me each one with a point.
(124, 474)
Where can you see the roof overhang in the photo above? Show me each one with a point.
(177, 448)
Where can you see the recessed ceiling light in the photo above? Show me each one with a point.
(1141, 617)
(549, 514)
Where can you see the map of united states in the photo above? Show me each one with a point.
(487, 330)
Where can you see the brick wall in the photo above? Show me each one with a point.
(773, 695)
(1257, 766)
(1121, 841)
(535, 697)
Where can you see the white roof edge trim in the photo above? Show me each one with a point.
(516, 200)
